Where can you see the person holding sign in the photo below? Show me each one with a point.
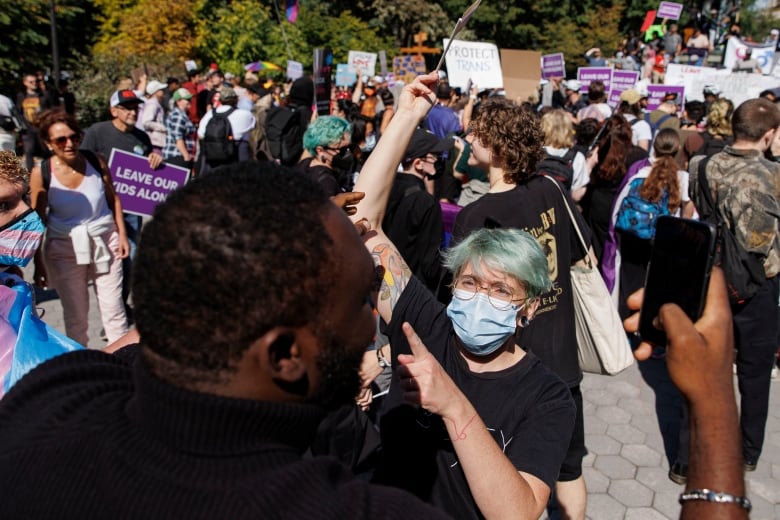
(85, 238)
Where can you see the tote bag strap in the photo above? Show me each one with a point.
(573, 221)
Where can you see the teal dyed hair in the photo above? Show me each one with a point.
(510, 251)
(325, 131)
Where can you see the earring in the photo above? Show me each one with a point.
(524, 321)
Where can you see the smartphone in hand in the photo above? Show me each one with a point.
(678, 272)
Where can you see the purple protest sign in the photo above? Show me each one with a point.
(669, 10)
(553, 66)
(139, 187)
(621, 80)
(657, 93)
(587, 74)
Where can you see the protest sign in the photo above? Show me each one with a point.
(587, 74)
(478, 61)
(365, 62)
(521, 73)
(323, 66)
(657, 93)
(736, 50)
(553, 66)
(138, 186)
(736, 87)
(294, 69)
(407, 67)
(669, 10)
(344, 76)
(621, 80)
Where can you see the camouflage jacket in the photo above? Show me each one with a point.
(746, 188)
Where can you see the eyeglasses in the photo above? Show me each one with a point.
(500, 295)
(131, 108)
(430, 159)
(63, 140)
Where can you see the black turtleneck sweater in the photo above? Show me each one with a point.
(90, 435)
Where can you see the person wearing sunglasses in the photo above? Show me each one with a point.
(327, 141)
(85, 240)
(489, 424)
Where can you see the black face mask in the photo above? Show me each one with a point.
(343, 161)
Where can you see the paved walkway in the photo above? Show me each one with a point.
(631, 422)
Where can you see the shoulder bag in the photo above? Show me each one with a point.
(602, 344)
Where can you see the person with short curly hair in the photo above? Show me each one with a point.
(327, 140)
(21, 230)
(507, 142)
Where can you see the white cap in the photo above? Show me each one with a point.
(572, 84)
(154, 86)
(711, 89)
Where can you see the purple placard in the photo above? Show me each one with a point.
(669, 10)
(553, 66)
(621, 80)
(140, 188)
(657, 93)
(587, 74)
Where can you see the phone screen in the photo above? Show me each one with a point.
(678, 272)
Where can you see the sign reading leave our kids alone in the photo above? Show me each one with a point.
(139, 187)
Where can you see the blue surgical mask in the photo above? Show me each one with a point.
(481, 327)
(20, 238)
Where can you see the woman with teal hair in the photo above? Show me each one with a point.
(491, 424)
(327, 141)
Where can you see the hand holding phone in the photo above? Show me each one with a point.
(678, 272)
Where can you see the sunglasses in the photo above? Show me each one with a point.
(63, 140)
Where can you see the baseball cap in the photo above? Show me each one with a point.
(572, 84)
(774, 32)
(154, 86)
(229, 75)
(124, 97)
(630, 96)
(182, 93)
(422, 143)
(711, 89)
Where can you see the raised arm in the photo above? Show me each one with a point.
(376, 177)
(376, 180)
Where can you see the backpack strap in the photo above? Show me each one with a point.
(569, 156)
(46, 173)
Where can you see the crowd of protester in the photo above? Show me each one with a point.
(462, 279)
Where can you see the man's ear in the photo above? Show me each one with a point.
(279, 354)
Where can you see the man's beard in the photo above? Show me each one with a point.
(339, 379)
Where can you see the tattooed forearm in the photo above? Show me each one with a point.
(397, 273)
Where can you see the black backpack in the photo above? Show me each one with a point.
(284, 132)
(743, 270)
(218, 144)
(559, 168)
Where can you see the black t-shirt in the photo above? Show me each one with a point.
(537, 207)
(103, 137)
(527, 408)
(413, 223)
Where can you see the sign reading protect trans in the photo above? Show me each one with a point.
(139, 187)
(477, 61)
